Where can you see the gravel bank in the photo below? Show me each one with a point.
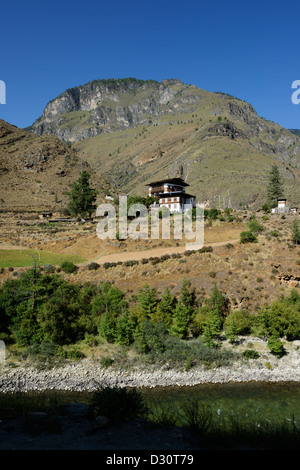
(88, 375)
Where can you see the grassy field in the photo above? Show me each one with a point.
(26, 257)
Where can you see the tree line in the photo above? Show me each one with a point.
(39, 307)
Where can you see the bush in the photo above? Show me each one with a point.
(109, 265)
(254, 225)
(44, 350)
(275, 345)
(188, 252)
(106, 362)
(93, 266)
(131, 263)
(205, 249)
(211, 214)
(250, 354)
(119, 404)
(75, 354)
(238, 322)
(68, 267)
(248, 237)
(229, 246)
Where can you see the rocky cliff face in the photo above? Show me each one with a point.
(106, 106)
(131, 131)
(110, 105)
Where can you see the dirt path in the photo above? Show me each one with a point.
(155, 252)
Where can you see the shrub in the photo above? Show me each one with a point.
(75, 354)
(211, 214)
(93, 266)
(274, 234)
(68, 267)
(254, 225)
(44, 350)
(266, 208)
(131, 262)
(188, 252)
(275, 345)
(106, 362)
(107, 265)
(205, 249)
(119, 404)
(237, 323)
(248, 237)
(229, 246)
(250, 354)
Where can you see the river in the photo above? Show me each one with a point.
(251, 400)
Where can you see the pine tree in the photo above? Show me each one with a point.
(207, 337)
(187, 296)
(123, 332)
(161, 316)
(295, 232)
(165, 309)
(106, 328)
(216, 300)
(213, 327)
(232, 329)
(147, 300)
(82, 197)
(181, 319)
(275, 186)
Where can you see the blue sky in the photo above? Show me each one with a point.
(247, 49)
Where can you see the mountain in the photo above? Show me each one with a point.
(295, 131)
(36, 171)
(133, 131)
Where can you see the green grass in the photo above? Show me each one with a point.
(26, 257)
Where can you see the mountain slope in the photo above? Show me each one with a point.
(134, 131)
(35, 172)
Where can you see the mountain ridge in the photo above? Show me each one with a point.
(36, 171)
(132, 130)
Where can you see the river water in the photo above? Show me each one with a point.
(252, 400)
(248, 401)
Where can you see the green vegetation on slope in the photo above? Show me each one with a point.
(39, 308)
(24, 257)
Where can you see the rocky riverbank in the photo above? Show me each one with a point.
(88, 375)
